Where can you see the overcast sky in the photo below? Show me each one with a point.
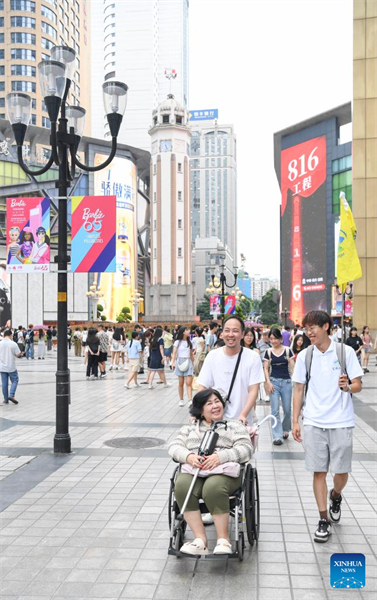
(266, 65)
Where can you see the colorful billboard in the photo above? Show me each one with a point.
(119, 179)
(215, 306)
(28, 235)
(204, 115)
(93, 234)
(303, 228)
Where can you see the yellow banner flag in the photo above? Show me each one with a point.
(348, 264)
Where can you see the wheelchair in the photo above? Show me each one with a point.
(244, 509)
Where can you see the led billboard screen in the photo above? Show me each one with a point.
(303, 228)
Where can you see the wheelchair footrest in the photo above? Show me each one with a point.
(173, 552)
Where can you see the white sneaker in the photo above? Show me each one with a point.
(150, 387)
(128, 387)
(207, 519)
(223, 547)
(189, 404)
(168, 384)
(181, 403)
(197, 547)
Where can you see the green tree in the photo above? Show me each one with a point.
(269, 307)
(246, 305)
(202, 309)
(124, 315)
(239, 312)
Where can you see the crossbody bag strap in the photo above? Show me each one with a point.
(234, 374)
(308, 364)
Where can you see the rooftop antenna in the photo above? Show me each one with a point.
(170, 74)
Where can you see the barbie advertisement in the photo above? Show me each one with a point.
(28, 235)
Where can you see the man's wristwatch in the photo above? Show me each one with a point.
(348, 389)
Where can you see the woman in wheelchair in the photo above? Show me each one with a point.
(233, 448)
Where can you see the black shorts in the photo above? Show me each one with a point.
(102, 357)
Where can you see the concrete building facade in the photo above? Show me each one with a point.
(213, 181)
(208, 255)
(137, 43)
(365, 159)
(171, 294)
(259, 286)
(28, 31)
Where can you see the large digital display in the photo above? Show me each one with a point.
(303, 228)
(119, 179)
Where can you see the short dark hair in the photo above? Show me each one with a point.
(317, 317)
(287, 328)
(7, 333)
(200, 399)
(213, 324)
(275, 331)
(241, 321)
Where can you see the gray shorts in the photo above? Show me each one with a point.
(328, 447)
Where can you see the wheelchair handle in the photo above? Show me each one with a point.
(272, 417)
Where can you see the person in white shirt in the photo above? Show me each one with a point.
(328, 414)
(8, 352)
(219, 367)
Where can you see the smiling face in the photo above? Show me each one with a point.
(27, 236)
(317, 335)
(14, 234)
(275, 342)
(41, 236)
(213, 410)
(299, 342)
(249, 338)
(232, 334)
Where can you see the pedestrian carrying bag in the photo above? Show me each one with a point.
(227, 396)
(309, 360)
(287, 356)
(184, 365)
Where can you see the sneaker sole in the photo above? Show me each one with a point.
(321, 540)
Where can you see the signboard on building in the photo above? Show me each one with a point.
(119, 180)
(303, 228)
(28, 235)
(93, 234)
(204, 115)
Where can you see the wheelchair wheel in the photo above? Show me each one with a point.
(171, 501)
(178, 539)
(240, 546)
(256, 504)
(251, 510)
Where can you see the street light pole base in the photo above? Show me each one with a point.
(62, 443)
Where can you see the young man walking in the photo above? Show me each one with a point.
(328, 414)
(8, 352)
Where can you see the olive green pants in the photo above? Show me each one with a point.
(214, 490)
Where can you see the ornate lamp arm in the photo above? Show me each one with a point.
(29, 171)
(99, 167)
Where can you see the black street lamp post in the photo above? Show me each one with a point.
(223, 284)
(55, 78)
(285, 314)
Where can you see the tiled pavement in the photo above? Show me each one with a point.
(94, 524)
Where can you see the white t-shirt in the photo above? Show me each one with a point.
(8, 352)
(183, 349)
(326, 405)
(217, 372)
(194, 341)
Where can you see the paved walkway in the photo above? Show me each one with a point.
(94, 524)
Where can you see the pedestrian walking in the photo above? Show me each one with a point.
(84, 337)
(41, 348)
(235, 371)
(134, 353)
(104, 345)
(19, 338)
(328, 414)
(199, 344)
(157, 359)
(286, 334)
(9, 350)
(167, 336)
(92, 344)
(49, 338)
(29, 343)
(355, 342)
(211, 337)
(297, 345)
(367, 346)
(54, 339)
(77, 341)
(262, 345)
(69, 337)
(278, 361)
(116, 347)
(183, 363)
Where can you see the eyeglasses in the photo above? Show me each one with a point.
(311, 329)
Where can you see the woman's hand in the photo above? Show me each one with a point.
(210, 462)
(194, 460)
(269, 388)
(172, 366)
(242, 419)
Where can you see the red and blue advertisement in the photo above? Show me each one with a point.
(93, 234)
(28, 235)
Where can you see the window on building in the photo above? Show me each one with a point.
(154, 252)
(155, 224)
(49, 29)
(23, 5)
(154, 197)
(154, 120)
(2, 115)
(2, 70)
(179, 280)
(49, 14)
(179, 167)
(2, 86)
(1, 4)
(109, 75)
(24, 70)
(178, 119)
(179, 195)
(23, 86)
(1, 54)
(78, 49)
(45, 56)
(47, 44)
(33, 119)
(46, 122)
(2, 102)
(77, 6)
(27, 22)
(341, 182)
(22, 54)
(179, 252)
(154, 169)
(165, 119)
(33, 103)
(179, 223)
(1, 21)
(1, 38)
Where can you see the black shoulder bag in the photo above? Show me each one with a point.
(234, 375)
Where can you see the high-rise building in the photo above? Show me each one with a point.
(171, 294)
(209, 254)
(137, 41)
(28, 31)
(261, 285)
(213, 180)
